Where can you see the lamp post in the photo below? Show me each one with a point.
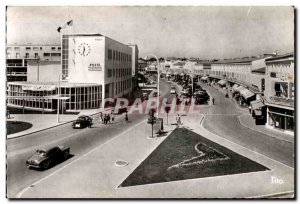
(38, 68)
(58, 101)
(158, 76)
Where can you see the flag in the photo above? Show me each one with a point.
(69, 23)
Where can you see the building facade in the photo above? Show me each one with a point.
(18, 56)
(280, 92)
(93, 67)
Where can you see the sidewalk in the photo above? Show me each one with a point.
(45, 121)
(248, 122)
(100, 177)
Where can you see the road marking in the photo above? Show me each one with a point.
(18, 195)
(201, 124)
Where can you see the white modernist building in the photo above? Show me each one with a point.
(93, 67)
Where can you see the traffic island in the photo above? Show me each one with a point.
(16, 126)
(187, 155)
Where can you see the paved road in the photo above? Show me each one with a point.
(222, 120)
(80, 141)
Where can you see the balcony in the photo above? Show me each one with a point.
(16, 74)
(280, 101)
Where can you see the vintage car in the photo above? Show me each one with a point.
(44, 158)
(173, 90)
(82, 122)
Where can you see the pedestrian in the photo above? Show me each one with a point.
(178, 119)
(250, 109)
(126, 117)
(213, 100)
(7, 114)
(101, 118)
(108, 118)
(113, 118)
(104, 119)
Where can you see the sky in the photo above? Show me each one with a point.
(205, 32)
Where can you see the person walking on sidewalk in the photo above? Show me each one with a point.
(178, 120)
(113, 118)
(7, 114)
(250, 109)
(101, 118)
(213, 100)
(126, 117)
(108, 118)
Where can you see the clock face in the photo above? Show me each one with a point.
(84, 49)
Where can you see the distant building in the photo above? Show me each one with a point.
(17, 57)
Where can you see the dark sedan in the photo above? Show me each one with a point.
(44, 158)
(82, 122)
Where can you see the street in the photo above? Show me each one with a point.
(220, 119)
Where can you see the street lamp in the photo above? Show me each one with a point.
(38, 68)
(158, 76)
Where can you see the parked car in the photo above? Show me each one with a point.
(173, 91)
(44, 158)
(82, 122)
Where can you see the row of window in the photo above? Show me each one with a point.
(121, 72)
(36, 55)
(32, 48)
(118, 56)
(123, 85)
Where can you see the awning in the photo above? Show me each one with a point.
(257, 112)
(257, 104)
(234, 87)
(240, 88)
(222, 82)
(204, 78)
(38, 87)
(246, 93)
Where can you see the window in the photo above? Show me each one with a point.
(36, 55)
(281, 89)
(35, 48)
(53, 48)
(273, 74)
(41, 48)
(55, 54)
(46, 54)
(18, 55)
(109, 54)
(17, 48)
(26, 55)
(109, 73)
(59, 48)
(8, 55)
(9, 48)
(28, 48)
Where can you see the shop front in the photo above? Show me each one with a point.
(281, 118)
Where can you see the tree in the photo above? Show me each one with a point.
(152, 119)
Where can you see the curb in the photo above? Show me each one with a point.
(239, 120)
(64, 123)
